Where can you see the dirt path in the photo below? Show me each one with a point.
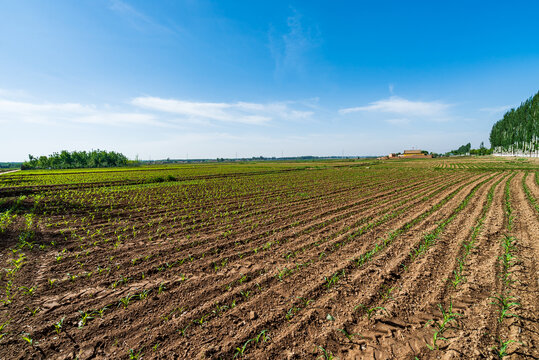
(9, 172)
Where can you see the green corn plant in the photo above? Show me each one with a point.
(2, 327)
(58, 325)
(326, 354)
(28, 290)
(500, 350)
(143, 294)
(263, 335)
(448, 316)
(84, 318)
(26, 337)
(124, 302)
(240, 351)
(182, 331)
(33, 311)
(369, 312)
(101, 312)
(504, 303)
(331, 281)
(348, 335)
(162, 288)
(135, 355)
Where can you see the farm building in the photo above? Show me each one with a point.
(414, 154)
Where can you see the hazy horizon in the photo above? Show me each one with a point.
(178, 79)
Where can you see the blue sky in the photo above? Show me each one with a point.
(249, 78)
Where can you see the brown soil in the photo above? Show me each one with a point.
(287, 270)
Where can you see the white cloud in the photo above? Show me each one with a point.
(61, 113)
(496, 109)
(396, 105)
(152, 111)
(239, 112)
(119, 119)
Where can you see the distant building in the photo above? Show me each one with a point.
(414, 154)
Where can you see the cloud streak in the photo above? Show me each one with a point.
(289, 49)
(400, 106)
(153, 111)
(62, 113)
(137, 19)
(237, 112)
(496, 109)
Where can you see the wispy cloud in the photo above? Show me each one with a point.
(289, 49)
(398, 121)
(137, 19)
(496, 109)
(395, 105)
(13, 94)
(153, 111)
(239, 112)
(62, 113)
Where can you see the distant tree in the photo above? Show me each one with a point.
(76, 159)
(518, 130)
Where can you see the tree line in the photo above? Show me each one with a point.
(517, 133)
(76, 159)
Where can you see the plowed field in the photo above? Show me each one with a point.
(426, 259)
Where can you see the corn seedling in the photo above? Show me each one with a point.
(501, 349)
(124, 302)
(161, 288)
(58, 325)
(84, 318)
(369, 312)
(442, 325)
(143, 294)
(28, 290)
(135, 355)
(2, 327)
(33, 312)
(182, 331)
(100, 312)
(331, 281)
(505, 305)
(26, 337)
(348, 335)
(240, 351)
(326, 354)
